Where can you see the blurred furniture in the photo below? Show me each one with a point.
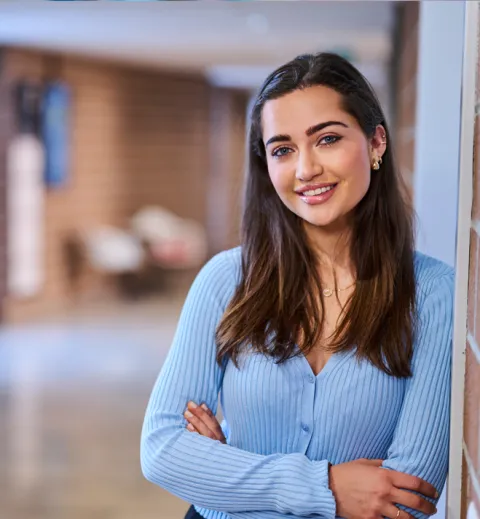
(112, 252)
(142, 258)
(172, 242)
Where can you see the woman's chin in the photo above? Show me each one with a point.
(330, 222)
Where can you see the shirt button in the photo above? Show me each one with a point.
(305, 428)
(311, 378)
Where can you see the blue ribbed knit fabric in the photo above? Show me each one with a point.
(283, 424)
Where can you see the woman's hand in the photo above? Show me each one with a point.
(202, 421)
(363, 490)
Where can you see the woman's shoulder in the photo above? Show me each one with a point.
(433, 276)
(220, 275)
(226, 264)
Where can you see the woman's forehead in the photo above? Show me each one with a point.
(299, 110)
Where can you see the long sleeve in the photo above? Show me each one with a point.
(202, 471)
(421, 440)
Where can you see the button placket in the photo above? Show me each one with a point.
(306, 416)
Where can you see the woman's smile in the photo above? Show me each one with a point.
(317, 194)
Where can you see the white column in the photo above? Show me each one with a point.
(437, 151)
(436, 166)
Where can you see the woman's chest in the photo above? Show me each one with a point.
(285, 408)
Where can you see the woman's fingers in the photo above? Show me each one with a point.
(414, 501)
(402, 480)
(212, 422)
(392, 513)
(199, 426)
(204, 422)
(373, 463)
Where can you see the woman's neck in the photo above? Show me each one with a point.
(332, 248)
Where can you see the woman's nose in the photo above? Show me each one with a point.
(307, 167)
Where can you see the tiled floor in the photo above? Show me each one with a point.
(72, 398)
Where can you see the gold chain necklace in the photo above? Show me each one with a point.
(327, 292)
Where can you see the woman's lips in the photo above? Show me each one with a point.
(321, 198)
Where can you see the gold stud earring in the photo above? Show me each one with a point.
(377, 163)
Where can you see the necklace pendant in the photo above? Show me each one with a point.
(327, 292)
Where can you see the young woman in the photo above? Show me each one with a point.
(326, 335)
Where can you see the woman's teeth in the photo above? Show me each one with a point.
(318, 191)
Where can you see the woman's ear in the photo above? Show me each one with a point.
(378, 143)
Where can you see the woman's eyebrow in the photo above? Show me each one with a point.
(321, 126)
(309, 132)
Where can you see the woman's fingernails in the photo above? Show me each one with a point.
(204, 406)
(190, 427)
(192, 405)
(437, 495)
(188, 414)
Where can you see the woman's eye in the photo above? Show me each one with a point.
(281, 152)
(329, 140)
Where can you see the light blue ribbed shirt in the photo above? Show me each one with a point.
(283, 424)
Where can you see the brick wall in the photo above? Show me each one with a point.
(138, 137)
(405, 62)
(228, 122)
(471, 450)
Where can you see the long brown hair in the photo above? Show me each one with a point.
(278, 298)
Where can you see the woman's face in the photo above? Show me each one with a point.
(318, 158)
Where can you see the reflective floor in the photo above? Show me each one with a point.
(72, 398)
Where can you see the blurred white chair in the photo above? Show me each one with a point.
(113, 250)
(172, 242)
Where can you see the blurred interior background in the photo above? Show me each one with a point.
(122, 140)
